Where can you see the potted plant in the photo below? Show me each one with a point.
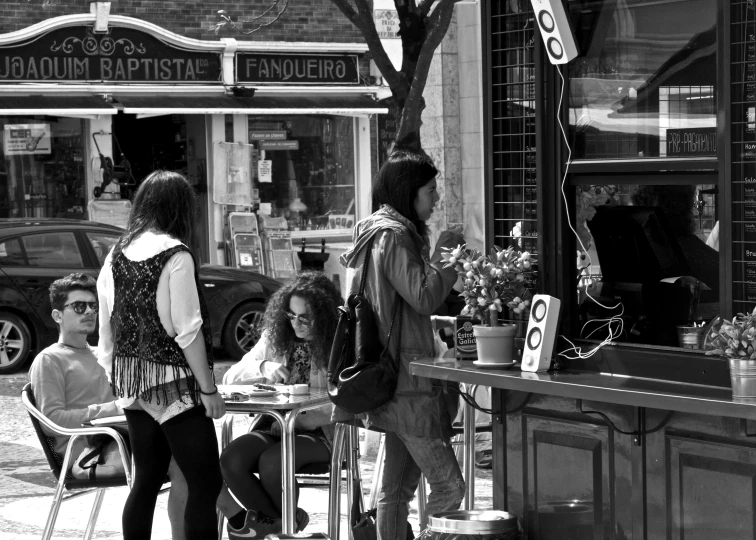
(492, 283)
(736, 341)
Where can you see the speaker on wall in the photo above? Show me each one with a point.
(541, 335)
(555, 30)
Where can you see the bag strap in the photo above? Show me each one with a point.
(369, 250)
(397, 305)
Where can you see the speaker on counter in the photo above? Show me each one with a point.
(541, 335)
(555, 30)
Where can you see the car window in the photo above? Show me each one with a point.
(11, 254)
(101, 243)
(50, 250)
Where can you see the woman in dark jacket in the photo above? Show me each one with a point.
(416, 420)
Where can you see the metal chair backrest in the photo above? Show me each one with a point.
(54, 459)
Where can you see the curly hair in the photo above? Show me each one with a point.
(322, 299)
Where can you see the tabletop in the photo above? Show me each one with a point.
(594, 386)
(280, 402)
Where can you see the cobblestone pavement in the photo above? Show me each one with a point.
(27, 486)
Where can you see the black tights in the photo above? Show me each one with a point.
(190, 439)
(260, 453)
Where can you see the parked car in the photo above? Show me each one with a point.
(36, 252)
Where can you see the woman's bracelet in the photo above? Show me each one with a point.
(209, 393)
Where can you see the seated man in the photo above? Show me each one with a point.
(71, 388)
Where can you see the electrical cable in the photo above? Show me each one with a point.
(470, 400)
(578, 352)
(663, 422)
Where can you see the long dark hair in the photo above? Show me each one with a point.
(323, 300)
(164, 201)
(398, 181)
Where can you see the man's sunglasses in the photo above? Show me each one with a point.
(80, 307)
(301, 318)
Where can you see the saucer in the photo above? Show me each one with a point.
(494, 365)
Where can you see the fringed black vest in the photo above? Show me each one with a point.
(143, 351)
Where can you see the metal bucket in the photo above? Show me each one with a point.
(690, 337)
(474, 525)
(743, 379)
(566, 520)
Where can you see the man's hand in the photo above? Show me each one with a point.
(214, 405)
(275, 372)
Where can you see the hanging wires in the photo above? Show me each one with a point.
(575, 352)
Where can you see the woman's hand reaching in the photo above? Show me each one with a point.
(275, 372)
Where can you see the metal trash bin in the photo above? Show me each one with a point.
(566, 520)
(473, 525)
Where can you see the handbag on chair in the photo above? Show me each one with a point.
(361, 375)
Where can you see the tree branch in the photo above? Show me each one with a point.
(363, 20)
(437, 23)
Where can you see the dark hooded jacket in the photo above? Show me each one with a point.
(400, 264)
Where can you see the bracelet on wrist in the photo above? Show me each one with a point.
(209, 393)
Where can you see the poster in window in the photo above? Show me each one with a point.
(21, 139)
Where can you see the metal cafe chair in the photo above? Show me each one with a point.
(60, 466)
(344, 458)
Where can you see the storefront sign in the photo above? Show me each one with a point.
(279, 145)
(692, 142)
(297, 68)
(267, 135)
(122, 55)
(19, 139)
(387, 23)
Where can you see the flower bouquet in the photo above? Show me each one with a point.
(492, 283)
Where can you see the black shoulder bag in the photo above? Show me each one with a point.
(361, 378)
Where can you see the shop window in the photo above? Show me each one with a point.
(643, 87)
(42, 168)
(52, 250)
(11, 254)
(101, 243)
(305, 170)
(651, 258)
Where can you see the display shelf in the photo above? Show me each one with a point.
(324, 186)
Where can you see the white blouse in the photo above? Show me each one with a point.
(177, 298)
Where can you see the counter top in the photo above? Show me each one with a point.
(591, 386)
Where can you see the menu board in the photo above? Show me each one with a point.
(743, 84)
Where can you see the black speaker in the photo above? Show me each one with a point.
(555, 30)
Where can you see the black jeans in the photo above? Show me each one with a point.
(190, 439)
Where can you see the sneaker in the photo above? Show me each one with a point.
(302, 519)
(483, 459)
(256, 525)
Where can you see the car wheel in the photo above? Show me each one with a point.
(243, 329)
(15, 342)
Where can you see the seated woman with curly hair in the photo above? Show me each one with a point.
(298, 327)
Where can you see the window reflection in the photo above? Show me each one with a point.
(649, 252)
(643, 87)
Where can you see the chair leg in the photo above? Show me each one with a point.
(422, 497)
(94, 514)
(375, 486)
(221, 522)
(334, 492)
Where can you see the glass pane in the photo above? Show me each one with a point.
(11, 254)
(650, 257)
(309, 178)
(53, 250)
(643, 87)
(42, 168)
(102, 243)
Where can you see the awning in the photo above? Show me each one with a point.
(347, 105)
(78, 106)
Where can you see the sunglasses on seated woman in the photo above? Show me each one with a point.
(80, 307)
(306, 321)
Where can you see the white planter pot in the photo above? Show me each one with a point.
(495, 343)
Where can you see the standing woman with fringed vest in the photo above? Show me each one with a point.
(155, 341)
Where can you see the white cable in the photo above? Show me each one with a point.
(614, 318)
